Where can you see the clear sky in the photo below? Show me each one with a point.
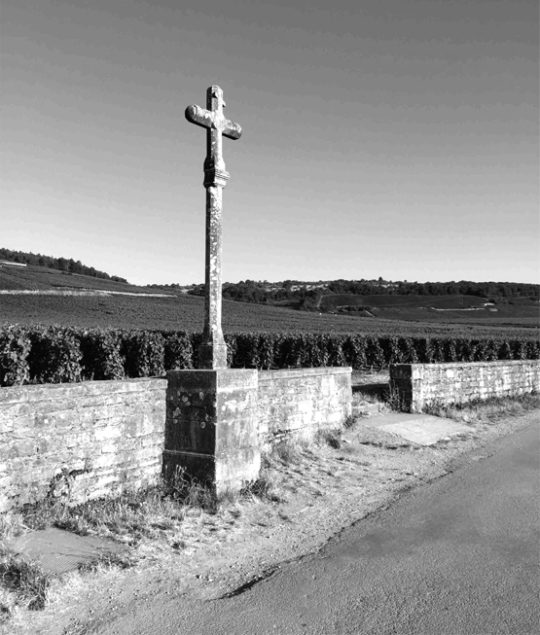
(393, 138)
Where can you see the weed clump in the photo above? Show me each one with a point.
(330, 437)
(191, 492)
(350, 422)
(286, 451)
(397, 401)
(262, 488)
(25, 579)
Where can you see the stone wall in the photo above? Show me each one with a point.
(80, 440)
(416, 386)
(219, 421)
(94, 439)
(300, 402)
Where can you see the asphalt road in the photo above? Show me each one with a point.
(459, 556)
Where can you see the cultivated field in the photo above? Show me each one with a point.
(30, 277)
(186, 313)
(178, 311)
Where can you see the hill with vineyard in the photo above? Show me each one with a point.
(32, 293)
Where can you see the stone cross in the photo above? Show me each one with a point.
(213, 350)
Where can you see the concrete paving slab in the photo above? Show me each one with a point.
(60, 551)
(419, 429)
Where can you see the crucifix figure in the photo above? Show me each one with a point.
(213, 350)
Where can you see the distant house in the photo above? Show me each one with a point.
(9, 263)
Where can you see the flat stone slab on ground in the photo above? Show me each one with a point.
(419, 429)
(60, 551)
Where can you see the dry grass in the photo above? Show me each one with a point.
(487, 411)
(264, 488)
(331, 437)
(128, 517)
(395, 400)
(23, 584)
(108, 560)
(287, 451)
(12, 524)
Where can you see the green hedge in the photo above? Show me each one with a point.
(58, 354)
(14, 349)
(55, 356)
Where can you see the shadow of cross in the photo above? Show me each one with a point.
(213, 350)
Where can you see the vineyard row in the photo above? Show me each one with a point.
(57, 354)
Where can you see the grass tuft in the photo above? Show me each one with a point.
(395, 400)
(108, 560)
(25, 579)
(286, 451)
(262, 488)
(350, 422)
(330, 437)
(191, 492)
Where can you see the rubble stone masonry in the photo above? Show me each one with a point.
(80, 441)
(95, 439)
(417, 386)
(297, 403)
(98, 438)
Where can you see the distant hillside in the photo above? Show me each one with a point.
(186, 312)
(32, 294)
(354, 295)
(28, 280)
(67, 265)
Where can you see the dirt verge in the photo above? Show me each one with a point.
(310, 494)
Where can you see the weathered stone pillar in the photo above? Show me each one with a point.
(211, 427)
(213, 350)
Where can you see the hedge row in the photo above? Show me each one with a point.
(56, 354)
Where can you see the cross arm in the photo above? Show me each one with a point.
(209, 119)
(199, 116)
(231, 129)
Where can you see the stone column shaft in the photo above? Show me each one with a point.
(213, 350)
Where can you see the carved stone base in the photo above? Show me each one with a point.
(211, 427)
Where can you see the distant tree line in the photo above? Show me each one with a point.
(68, 265)
(463, 287)
(307, 295)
